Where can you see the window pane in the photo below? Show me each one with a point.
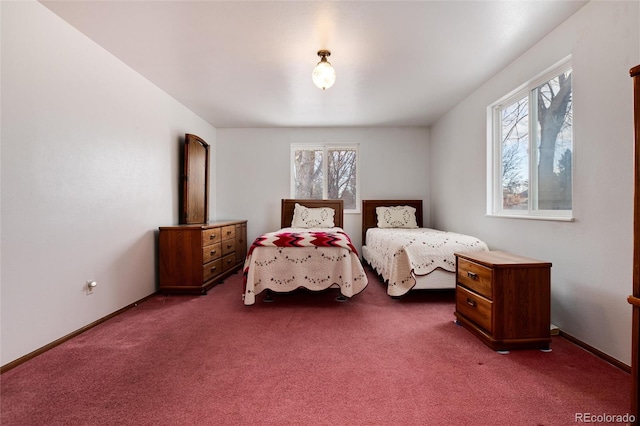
(325, 172)
(555, 143)
(531, 149)
(341, 176)
(308, 173)
(514, 122)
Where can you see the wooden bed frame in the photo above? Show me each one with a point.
(288, 205)
(370, 219)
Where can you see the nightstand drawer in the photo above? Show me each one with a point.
(210, 236)
(475, 277)
(474, 307)
(211, 252)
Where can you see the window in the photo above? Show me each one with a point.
(326, 172)
(531, 149)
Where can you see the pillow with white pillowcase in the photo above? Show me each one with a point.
(396, 217)
(305, 217)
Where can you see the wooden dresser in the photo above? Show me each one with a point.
(504, 299)
(193, 258)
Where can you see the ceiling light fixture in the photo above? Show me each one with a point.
(323, 74)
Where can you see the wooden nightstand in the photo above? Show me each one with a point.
(504, 299)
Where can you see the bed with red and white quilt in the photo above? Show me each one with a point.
(314, 253)
(406, 255)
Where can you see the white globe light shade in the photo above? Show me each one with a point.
(324, 75)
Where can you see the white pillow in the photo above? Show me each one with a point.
(305, 217)
(396, 217)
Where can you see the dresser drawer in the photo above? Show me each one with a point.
(228, 232)
(211, 269)
(228, 261)
(210, 236)
(211, 252)
(474, 307)
(476, 277)
(228, 246)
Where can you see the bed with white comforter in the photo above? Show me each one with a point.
(406, 255)
(401, 256)
(316, 257)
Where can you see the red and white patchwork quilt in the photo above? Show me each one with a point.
(304, 239)
(291, 258)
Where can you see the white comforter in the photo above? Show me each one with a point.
(399, 255)
(284, 269)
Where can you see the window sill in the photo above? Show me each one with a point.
(551, 218)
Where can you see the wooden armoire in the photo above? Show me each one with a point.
(634, 299)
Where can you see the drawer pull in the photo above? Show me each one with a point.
(472, 275)
(471, 302)
(229, 261)
(229, 245)
(213, 268)
(212, 236)
(228, 232)
(213, 252)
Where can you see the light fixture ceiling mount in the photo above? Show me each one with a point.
(323, 74)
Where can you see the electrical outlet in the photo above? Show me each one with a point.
(90, 286)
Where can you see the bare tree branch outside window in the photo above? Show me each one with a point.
(515, 158)
(551, 145)
(308, 174)
(326, 172)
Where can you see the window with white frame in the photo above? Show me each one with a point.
(326, 172)
(530, 158)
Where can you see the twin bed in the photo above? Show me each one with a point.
(312, 251)
(406, 255)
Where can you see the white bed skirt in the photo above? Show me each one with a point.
(436, 280)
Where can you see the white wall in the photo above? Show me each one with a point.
(90, 166)
(253, 170)
(592, 257)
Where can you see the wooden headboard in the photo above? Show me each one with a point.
(289, 205)
(370, 220)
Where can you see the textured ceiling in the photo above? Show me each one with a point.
(248, 64)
